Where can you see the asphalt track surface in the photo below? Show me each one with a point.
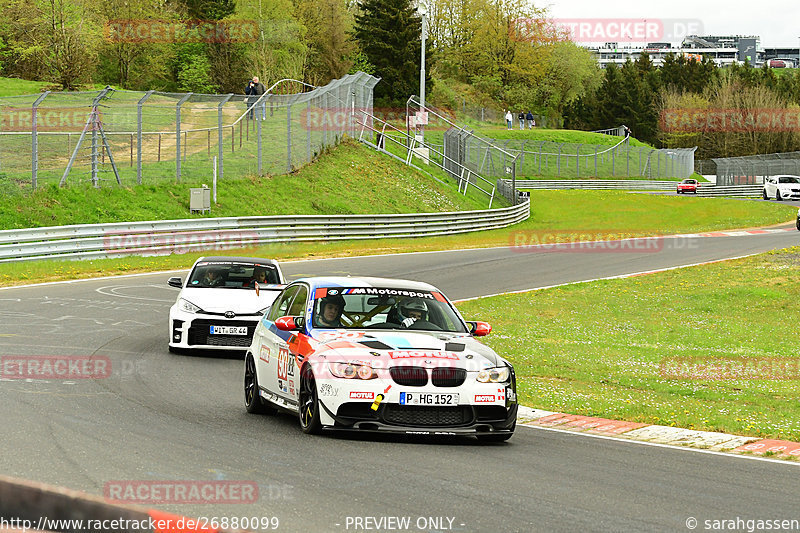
(161, 416)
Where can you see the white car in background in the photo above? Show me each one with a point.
(782, 187)
(221, 302)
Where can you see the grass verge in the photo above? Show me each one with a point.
(597, 349)
(555, 215)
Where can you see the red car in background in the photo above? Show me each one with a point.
(687, 185)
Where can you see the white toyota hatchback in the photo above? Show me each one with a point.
(221, 302)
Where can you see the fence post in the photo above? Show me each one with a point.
(289, 137)
(139, 136)
(595, 161)
(578, 162)
(558, 160)
(308, 132)
(220, 150)
(178, 135)
(613, 161)
(35, 140)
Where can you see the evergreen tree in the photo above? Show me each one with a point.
(389, 34)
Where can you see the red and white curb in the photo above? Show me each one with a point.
(673, 436)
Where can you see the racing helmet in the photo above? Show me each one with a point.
(413, 305)
(334, 299)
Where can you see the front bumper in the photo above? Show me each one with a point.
(411, 420)
(483, 408)
(193, 331)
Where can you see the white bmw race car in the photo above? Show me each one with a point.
(381, 355)
(221, 302)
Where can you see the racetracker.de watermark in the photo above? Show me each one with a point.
(177, 243)
(48, 367)
(180, 492)
(594, 241)
(729, 120)
(181, 31)
(730, 368)
(63, 119)
(617, 30)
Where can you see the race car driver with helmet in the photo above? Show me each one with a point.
(410, 310)
(330, 312)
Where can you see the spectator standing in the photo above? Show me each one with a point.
(509, 119)
(531, 122)
(254, 90)
(521, 118)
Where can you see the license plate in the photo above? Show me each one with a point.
(228, 330)
(428, 398)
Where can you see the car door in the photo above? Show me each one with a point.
(280, 368)
(769, 186)
(269, 341)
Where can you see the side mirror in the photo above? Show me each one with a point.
(290, 323)
(175, 282)
(480, 329)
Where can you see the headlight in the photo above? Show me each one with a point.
(187, 306)
(494, 375)
(352, 370)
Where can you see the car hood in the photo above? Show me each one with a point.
(395, 347)
(236, 300)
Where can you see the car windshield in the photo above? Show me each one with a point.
(232, 275)
(384, 308)
(789, 179)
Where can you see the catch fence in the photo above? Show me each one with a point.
(129, 137)
(574, 160)
(752, 169)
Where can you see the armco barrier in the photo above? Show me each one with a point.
(92, 241)
(707, 190)
(737, 191)
(649, 185)
(28, 505)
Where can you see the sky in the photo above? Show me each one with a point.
(775, 21)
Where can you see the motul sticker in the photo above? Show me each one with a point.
(362, 395)
(406, 354)
(484, 398)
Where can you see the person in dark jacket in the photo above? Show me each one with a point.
(529, 118)
(521, 118)
(254, 90)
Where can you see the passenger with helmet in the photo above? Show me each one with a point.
(410, 310)
(330, 311)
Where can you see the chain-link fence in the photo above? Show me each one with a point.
(128, 137)
(573, 160)
(752, 169)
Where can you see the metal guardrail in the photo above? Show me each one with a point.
(92, 241)
(652, 185)
(737, 191)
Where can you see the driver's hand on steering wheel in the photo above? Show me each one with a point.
(408, 322)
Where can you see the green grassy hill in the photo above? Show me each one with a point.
(349, 178)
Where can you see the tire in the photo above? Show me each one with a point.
(778, 195)
(502, 437)
(764, 194)
(798, 223)
(308, 412)
(678, 191)
(252, 399)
